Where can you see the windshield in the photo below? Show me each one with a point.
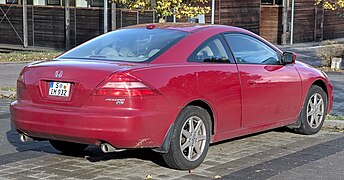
(133, 45)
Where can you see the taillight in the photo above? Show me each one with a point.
(21, 85)
(123, 85)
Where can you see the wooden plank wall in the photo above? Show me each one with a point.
(271, 23)
(304, 21)
(46, 24)
(7, 34)
(244, 14)
(333, 24)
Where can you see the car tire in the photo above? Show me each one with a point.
(68, 147)
(195, 140)
(313, 112)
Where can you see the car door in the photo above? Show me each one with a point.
(271, 91)
(218, 82)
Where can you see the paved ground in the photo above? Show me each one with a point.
(277, 154)
(337, 80)
(9, 73)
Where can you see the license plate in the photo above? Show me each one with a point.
(59, 89)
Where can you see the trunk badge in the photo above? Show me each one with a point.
(58, 73)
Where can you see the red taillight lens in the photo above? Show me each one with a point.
(120, 85)
(21, 87)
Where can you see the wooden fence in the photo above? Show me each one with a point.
(311, 23)
(46, 24)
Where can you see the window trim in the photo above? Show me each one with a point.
(241, 33)
(201, 46)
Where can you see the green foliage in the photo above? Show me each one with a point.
(331, 4)
(7, 89)
(329, 50)
(334, 117)
(179, 8)
(26, 56)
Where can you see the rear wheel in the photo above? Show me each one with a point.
(190, 139)
(314, 110)
(68, 147)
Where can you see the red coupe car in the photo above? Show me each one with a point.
(174, 88)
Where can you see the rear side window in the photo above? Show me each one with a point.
(211, 50)
(249, 50)
(130, 45)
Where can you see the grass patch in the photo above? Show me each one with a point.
(328, 69)
(27, 56)
(334, 117)
(8, 89)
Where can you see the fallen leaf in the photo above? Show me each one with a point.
(217, 177)
(149, 176)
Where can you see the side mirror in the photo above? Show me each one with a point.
(288, 58)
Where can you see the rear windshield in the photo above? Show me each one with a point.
(130, 45)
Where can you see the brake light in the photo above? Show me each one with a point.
(125, 84)
(21, 87)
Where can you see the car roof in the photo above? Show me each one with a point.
(186, 27)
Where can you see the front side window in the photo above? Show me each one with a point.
(210, 51)
(249, 50)
(130, 45)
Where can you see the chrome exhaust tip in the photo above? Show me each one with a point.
(25, 138)
(108, 148)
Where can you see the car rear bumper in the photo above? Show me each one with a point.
(125, 128)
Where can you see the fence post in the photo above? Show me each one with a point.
(25, 30)
(113, 16)
(67, 25)
(105, 16)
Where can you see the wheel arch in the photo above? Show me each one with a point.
(205, 105)
(321, 84)
(164, 148)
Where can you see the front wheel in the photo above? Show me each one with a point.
(314, 111)
(68, 147)
(190, 139)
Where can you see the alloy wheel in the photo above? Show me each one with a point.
(315, 110)
(193, 138)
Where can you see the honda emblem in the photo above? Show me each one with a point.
(58, 74)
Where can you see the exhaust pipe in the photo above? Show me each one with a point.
(25, 138)
(108, 148)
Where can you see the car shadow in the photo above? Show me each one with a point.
(91, 153)
(280, 129)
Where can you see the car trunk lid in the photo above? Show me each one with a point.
(46, 81)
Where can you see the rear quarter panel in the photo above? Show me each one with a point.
(216, 84)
